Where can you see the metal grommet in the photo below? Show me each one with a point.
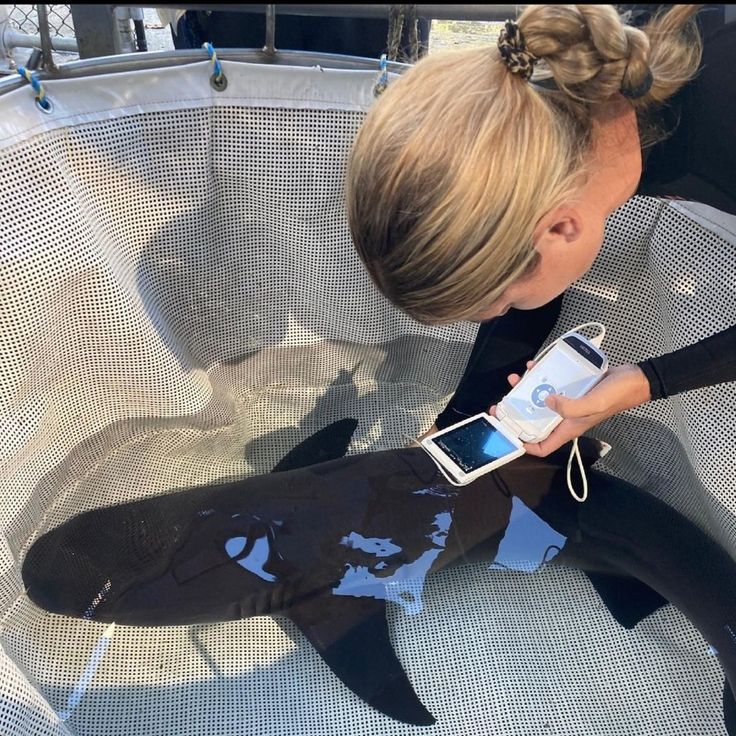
(46, 106)
(219, 84)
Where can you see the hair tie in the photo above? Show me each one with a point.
(514, 52)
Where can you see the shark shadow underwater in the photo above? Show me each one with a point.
(327, 545)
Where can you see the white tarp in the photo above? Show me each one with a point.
(180, 303)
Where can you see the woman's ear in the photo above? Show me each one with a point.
(560, 226)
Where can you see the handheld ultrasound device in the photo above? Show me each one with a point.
(570, 367)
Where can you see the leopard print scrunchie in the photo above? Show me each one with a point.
(514, 52)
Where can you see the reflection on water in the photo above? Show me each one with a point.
(529, 541)
(256, 558)
(372, 545)
(527, 544)
(406, 583)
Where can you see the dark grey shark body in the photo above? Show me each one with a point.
(329, 544)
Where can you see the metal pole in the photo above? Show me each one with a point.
(125, 30)
(96, 29)
(45, 33)
(34, 60)
(16, 40)
(270, 47)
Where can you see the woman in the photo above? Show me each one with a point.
(481, 181)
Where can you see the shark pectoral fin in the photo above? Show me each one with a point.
(351, 635)
(627, 599)
(729, 710)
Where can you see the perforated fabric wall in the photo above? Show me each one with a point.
(664, 280)
(180, 304)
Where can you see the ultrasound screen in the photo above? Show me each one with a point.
(474, 445)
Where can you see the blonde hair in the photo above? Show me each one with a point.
(459, 158)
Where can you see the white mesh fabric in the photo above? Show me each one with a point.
(665, 280)
(181, 303)
(515, 653)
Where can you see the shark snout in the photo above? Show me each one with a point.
(62, 579)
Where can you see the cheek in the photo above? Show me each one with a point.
(552, 279)
(554, 276)
(580, 261)
(597, 239)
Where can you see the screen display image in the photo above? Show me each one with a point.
(474, 445)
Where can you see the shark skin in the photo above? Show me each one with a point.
(328, 545)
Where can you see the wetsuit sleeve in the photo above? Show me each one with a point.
(705, 363)
(698, 162)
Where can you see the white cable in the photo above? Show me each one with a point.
(575, 452)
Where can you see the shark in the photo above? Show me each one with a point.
(329, 540)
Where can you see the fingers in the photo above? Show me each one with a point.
(622, 388)
(535, 449)
(514, 378)
(430, 431)
(545, 447)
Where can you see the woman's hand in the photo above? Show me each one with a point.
(623, 387)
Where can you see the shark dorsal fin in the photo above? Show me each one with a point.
(329, 443)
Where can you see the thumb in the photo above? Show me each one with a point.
(573, 408)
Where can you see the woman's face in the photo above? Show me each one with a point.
(569, 238)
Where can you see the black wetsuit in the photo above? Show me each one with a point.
(697, 162)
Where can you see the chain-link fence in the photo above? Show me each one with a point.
(25, 19)
(19, 49)
(444, 33)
